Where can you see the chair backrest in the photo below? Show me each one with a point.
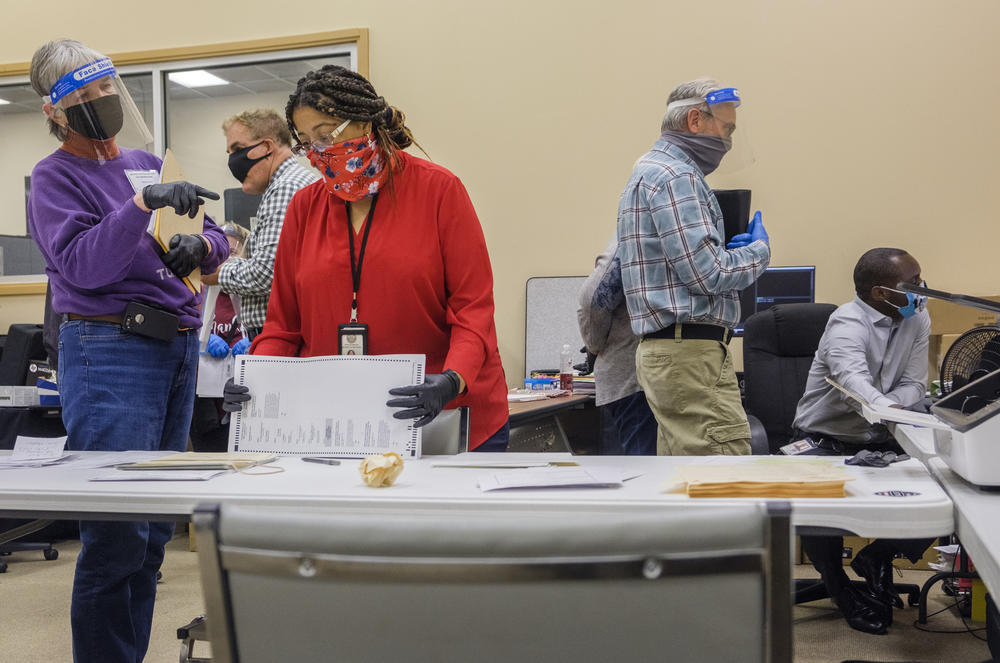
(778, 348)
(695, 584)
(448, 433)
(24, 343)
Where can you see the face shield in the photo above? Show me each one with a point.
(718, 118)
(93, 101)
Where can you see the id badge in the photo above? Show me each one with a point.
(352, 339)
(799, 447)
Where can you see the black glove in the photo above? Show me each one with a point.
(875, 458)
(186, 252)
(184, 197)
(586, 367)
(425, 400)
(233, 396)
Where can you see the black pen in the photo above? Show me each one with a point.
(321, 459)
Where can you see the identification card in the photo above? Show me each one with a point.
(139, 179)
(798, 447)
(352, 339)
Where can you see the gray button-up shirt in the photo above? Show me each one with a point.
(883, 361)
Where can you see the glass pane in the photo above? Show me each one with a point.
(194, 115)
(24, 141)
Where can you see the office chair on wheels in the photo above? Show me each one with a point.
(779, 344)
(374, 584)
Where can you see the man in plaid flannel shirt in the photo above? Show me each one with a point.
(682, 281)
(260, 157)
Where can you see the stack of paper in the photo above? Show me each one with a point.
(768, 478)
(36, 452)
(193, 460)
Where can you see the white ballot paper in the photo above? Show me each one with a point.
(328, 405)
(874, 414)
(554, 477)
(213, 374)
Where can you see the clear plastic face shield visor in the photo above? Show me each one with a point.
(92, 101)
(718, 117)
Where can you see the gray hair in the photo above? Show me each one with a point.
(675, 118)
(54, 60)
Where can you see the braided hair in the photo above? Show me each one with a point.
(346, 94)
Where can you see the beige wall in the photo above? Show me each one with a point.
(871, 121)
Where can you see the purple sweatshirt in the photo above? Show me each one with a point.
(97, 252)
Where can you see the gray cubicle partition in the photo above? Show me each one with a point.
(550, 321)
(19, 256)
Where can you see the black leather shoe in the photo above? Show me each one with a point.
(877, 574)
(862, 612)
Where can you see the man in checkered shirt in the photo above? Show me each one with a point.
(682, 281)
(260, 157)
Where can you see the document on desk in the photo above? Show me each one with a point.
(331, 405)
(554, 477)
(36, 452)
(114, 474)
(874, 414)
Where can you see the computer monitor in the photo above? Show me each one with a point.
(777, 285)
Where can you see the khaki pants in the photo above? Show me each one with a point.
(691, 387)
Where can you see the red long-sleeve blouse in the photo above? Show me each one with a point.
(426, 284)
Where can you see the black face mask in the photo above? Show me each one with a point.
(240, 164)
(99, 119)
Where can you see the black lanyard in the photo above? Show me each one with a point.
(356, 269)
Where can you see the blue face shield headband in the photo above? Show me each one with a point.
(81, 76)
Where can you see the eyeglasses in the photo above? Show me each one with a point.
(322, 141)
(728, 128)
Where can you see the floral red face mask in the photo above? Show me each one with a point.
(352, 169)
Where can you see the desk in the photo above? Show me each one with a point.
(522, 413)
(911, 503)
(976, 522)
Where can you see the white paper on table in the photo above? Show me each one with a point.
(213, 374)
(116, 458)
(153, 475)
(874, 414)
(38, 448)
(333, 405)
(553, 477)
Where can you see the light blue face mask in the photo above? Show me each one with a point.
(914, 303)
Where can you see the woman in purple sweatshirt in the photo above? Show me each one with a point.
(89, 206)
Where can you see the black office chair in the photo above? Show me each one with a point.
(778, 348)
(23, 346)
(779, 344)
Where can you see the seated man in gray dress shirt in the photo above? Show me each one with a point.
(874, 346)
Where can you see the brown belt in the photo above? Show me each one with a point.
(116, 319)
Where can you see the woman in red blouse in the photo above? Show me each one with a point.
(388, 241)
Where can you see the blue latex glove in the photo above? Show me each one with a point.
(217, 347)
(241, 346)
(754, 232)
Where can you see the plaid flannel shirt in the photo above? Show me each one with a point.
(251, 277)
(675, 265)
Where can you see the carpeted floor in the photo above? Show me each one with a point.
(34, 627)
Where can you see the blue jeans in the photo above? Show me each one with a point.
(635, 423)
(121, 392)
